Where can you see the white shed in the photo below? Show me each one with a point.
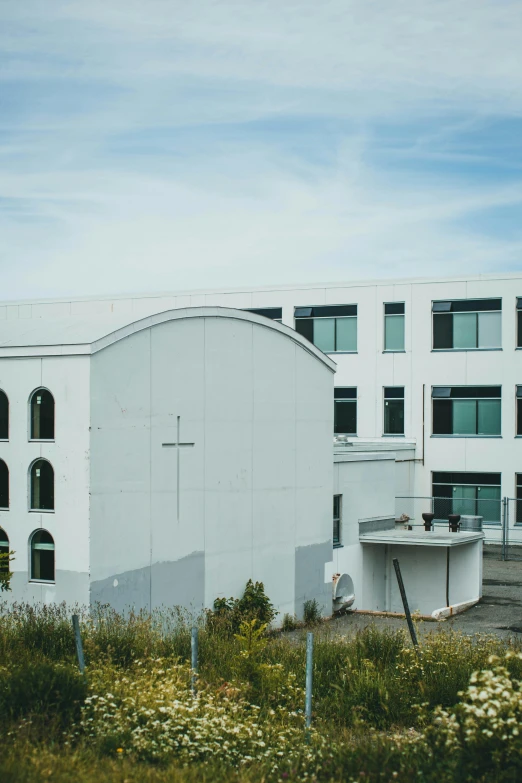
(441, 570)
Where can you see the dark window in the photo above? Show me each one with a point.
(275, 313)
(466, 410)
(337, 520)
(4, 485)
(326, 311)
(394, 410)
(394, 326)
(519, 322)
(42, 486)
(519, 410)
(4, 550)
(475, 494)
(443, 331)
(444, 477)
(345, 411)
(468, 306)
(42, 415)
(331, 328)
(42, 556)
(518, 518)
(4, 416)
(467, 324)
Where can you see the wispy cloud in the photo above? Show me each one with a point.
(176, 145)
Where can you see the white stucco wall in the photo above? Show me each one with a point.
(366, 482)
(67, 378)
(256, 488)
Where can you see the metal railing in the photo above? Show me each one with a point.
(489, 509)
(511, 529)
(502, 517)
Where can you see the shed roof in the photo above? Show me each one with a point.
(86, 335)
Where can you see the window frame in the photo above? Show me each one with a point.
(343, 400)
(394, 315)
(384, 401)
(518, 309)
(468, 311)
(518, 501)
(332, 316)
(456, 480)
(518, 413)
(44, 547)
(6, 508)
(30, 423)
(264, 311)
(30, 493)
(471, 398)
(5, 544)
(337, 544)
(6, 440)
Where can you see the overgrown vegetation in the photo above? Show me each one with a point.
(380, 712)
(5, 573)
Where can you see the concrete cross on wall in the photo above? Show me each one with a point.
(178, 445)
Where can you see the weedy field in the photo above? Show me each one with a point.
(380, 710)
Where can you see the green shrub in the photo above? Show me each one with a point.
(290, 622)
(311, 612)
(52, 690)
(5, 574)
(229, 613)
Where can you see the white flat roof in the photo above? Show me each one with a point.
(283, 287)
(420, 538)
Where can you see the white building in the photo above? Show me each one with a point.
(427, 373)
(167, 462)
(433, 361)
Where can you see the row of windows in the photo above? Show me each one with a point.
(456, 410)
(41, 415)
(464, 325)
(41, 555)
(41, 486)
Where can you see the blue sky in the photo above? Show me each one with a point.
(171, 145)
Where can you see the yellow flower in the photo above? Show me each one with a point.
(120, 750)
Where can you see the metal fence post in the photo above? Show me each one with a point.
(78, 642)
(405, 604)
(309, 678)
(505, 522)
(194, 657)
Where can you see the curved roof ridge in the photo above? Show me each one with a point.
(88, 335)
(211, 312)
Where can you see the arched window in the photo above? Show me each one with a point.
(4, 416)
(4, 485)
(4, 550)
(42, 556)
(42, 415)
(42, 486)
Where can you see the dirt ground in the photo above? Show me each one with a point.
(499, 612)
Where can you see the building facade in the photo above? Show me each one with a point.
(433, 361)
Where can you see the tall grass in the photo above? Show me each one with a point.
(370, 682)
(373, 675)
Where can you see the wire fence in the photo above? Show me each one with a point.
(512, 529)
